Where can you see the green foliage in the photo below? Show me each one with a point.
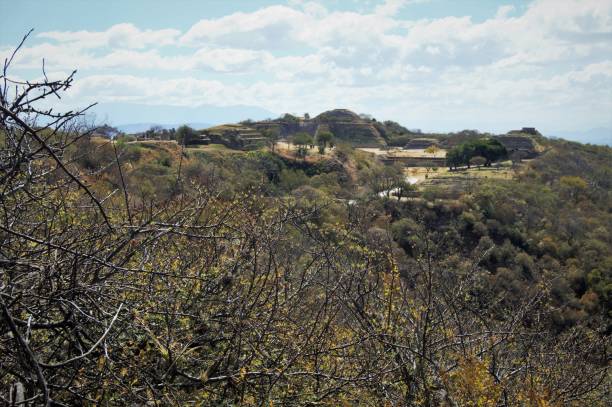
(289, 118)
(489, 149)
(291, 179)
(272, 136)
(433, 150)
(148, 274)
(124, 138)
(316, 273)
(323, 139)
(302, 141)
(185, 135)
(573, 186)
(478, 161)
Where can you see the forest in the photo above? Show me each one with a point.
(148, 273)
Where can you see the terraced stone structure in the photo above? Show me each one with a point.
(342, 123)
(200, 140)
(420, 143)
(348, 126)
(235, 136)
(519, 144)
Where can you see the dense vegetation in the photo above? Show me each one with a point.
(150, 273)
(482, 151)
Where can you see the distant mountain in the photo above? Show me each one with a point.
(599, 135)
(140, 127)
(132, 114)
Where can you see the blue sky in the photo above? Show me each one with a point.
(430, 64)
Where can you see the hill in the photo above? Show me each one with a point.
(209, 264)
(346, 126)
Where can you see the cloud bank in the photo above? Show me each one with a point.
(548, 65)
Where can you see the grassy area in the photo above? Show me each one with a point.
(227, 127)
(445, 184)
(505, 171)
(399, 152)
(220, 148)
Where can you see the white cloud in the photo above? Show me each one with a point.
(118, 36)
(392, 7)
(265, 28)
(228, 59)
(504, 11)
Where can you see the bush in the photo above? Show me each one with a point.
(291, 179)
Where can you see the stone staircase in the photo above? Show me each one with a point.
(233, 135)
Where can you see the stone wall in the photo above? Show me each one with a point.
(420, 143)
(415, 161)
(516, 143)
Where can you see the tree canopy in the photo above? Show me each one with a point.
(488, 148)
(302, 141)
(185, 135)
(324, 138)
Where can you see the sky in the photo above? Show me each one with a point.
(436, 65)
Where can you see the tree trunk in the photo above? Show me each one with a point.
(17, 396)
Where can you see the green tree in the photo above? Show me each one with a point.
(272, 135)
(185, 135)
(454, 158)
(490, 149)
(478, 161)
(433, 150)
(323, 139)
(573, 186)
(302, 141)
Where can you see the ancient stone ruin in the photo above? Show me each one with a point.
(342, 123)
(519, 145)
(420, 143)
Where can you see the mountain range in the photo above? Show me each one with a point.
(133, 117)
(599, 135)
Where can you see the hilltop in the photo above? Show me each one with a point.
(346, 126)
